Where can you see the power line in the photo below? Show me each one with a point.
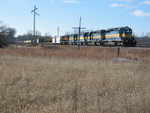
(79, 28)
(34, 17)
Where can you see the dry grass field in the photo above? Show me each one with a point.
(67, 80)
(99, 53)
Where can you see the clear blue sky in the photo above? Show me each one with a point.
(96, 14)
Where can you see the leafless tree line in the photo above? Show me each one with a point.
(6, 35)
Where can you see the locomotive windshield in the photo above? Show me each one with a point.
(129, 31)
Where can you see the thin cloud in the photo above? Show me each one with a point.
(140, 13)
(122, 5)
(116, 5)
(70, 1)
(147, 2)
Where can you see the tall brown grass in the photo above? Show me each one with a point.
(100, 53)
(32, 83)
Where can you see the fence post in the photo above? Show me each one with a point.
(118, 52)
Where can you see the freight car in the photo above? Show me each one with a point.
(45, 40)
(121, 36)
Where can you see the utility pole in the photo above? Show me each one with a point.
(79, 28)
(34, 17)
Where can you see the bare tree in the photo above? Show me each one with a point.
(6, 35)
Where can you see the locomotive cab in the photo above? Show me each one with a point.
(127, 37)
(103, 32)
(86, 35)
(64, 39)
(126, 33)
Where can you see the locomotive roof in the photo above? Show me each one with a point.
(118, 28)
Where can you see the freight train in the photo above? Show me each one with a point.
(120, 36)
(47, 40)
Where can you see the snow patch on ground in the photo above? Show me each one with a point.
(125, 59)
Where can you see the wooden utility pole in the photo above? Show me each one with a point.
(79, 28)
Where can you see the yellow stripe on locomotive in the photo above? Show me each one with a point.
(112, 35)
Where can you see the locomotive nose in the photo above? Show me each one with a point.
(128, 35)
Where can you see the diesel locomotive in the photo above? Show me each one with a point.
(120, 36)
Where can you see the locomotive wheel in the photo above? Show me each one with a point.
(95, 43)
(116, 43)
(86, 43)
